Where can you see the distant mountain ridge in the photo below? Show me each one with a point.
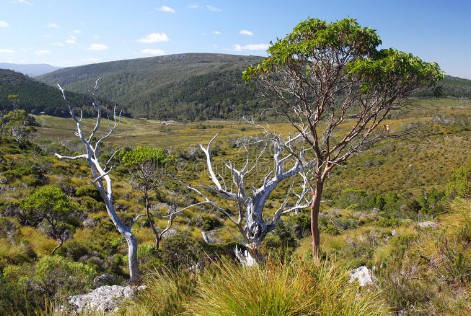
(31, 70)
(188, 86)
(37, 97)
(181, 87)
(184, 87)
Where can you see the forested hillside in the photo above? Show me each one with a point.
(182, 87)
(189, 86)
(22, 92)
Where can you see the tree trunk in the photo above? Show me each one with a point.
(125, 231)
(61, 242)
(151, 221)
(315, 209)
(131, 240)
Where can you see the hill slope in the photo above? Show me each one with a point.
(188, 86)
(29, 69)
(184, 87)
(35, 96)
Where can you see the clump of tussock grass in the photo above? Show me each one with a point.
(299, 288)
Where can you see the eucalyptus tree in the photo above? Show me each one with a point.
(248, 210)
(101, 172)
(52, 205)
(148, 166)
(336, 87)
(19, 125)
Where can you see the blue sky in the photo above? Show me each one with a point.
(76, 32)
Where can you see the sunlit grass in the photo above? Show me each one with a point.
(41, 244)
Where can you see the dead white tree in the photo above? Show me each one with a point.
(251, 222)
(101, 174)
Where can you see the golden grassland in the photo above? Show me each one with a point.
(133, 132)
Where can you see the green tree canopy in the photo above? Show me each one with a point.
(141, 154)
(327, 75)
(52, 205)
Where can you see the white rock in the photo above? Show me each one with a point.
(105, 299)
(362, 274)
(428, 225)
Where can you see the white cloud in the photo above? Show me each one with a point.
(167, 9)
(246, 32)
(71, 39)
(22, 2)
(96, 46)
(42, 52)
(77, 31)
(151, 51)
(4, 23)
(217, 33)
(52, 25)
(6, 51)
(209, 7)
(239, 48)
(213, 9)
(154, 38)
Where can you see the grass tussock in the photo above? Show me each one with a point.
(165, 294)
(430, 274)
(225, 288)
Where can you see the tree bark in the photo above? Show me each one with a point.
(315, 209)
(131, 240)
(61, 242)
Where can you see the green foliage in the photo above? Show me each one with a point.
(141, 154)
(48, 199)
(314, 39)
(429, 272)
(28, 287)
(51, 205)
(460, 182)
(19, 125)
(90, 191)
(180, 251)
(57, 275)
(375, 73)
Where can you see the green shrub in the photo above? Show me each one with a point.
(28, 287)
(90, 191)
(59, 276)
(89, 204)
(180, 251)
(430, 273)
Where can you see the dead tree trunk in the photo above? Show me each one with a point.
(251, 222)
(102, 179)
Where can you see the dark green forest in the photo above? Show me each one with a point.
(178, 87)
(22, 92)
(187, 87)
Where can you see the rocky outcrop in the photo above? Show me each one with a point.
(105, 299)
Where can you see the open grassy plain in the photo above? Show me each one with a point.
(429, 138)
